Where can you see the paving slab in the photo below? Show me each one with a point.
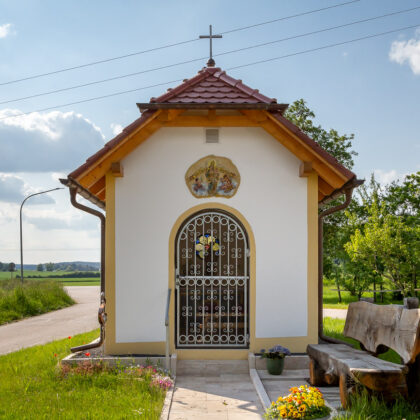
(79, 318)
(218, 396)
(279, 385)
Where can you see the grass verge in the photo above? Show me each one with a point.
(32, 386)
(31, 298)
(330, 298)
(365, 407)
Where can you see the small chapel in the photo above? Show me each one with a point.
(211, 235)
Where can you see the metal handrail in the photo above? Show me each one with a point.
(168, 301)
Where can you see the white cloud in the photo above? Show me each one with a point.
(66, 221)
(46, 142)
(5, 30)
(407, 52)
(116, 128)
(386, 177)
(13, 189)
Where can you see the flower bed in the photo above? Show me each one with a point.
(155, 377)
(302, 403)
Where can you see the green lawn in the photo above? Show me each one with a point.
(32, 387)
(31, 298)
(331, 298)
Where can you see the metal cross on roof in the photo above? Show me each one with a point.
(211, 62)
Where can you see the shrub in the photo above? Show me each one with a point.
(31, 298)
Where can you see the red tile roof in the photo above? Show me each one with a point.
(213, 86)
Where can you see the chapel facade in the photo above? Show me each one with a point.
(211, 202)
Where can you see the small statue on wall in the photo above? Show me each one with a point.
(213, 176)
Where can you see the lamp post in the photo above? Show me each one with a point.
(21, 240)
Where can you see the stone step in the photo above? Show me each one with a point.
(211, 367)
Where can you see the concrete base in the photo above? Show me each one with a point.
(294, 362)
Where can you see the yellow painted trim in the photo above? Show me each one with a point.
(312, 214)
(110, 263)
(296, 344)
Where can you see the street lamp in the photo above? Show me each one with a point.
(21, 241)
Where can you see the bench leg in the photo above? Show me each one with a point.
(316, 374)
(347, 387)
(413, 380)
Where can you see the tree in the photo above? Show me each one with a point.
(40, 267)
(1, 266)
(339, 146)
(388, 247)
(49, 266)
(404, 199)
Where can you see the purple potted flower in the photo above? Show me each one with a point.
(275, 359)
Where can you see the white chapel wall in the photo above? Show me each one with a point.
(153, 194)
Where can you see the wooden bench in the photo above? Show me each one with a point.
(377, 328)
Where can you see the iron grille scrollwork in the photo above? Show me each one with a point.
(212, 282)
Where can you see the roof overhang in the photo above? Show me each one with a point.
(85, 193)
(89, 178)
(193, 105)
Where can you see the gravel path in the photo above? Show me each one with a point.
(41, 329)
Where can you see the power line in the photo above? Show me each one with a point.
(107, 60)
(203, 58)
(288, 17)
(230, 68)
(324, 47)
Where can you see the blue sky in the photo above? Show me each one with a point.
(356, 88)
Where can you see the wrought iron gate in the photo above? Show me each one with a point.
(212, 282)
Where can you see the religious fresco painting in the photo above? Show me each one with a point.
(213, 176)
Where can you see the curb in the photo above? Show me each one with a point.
(166, 409)
(259, 387)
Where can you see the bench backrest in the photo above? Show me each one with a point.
(392, 326)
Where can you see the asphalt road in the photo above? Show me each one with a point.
(41, 329)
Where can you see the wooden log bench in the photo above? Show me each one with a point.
(377, 328)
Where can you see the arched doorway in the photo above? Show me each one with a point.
(212, 282)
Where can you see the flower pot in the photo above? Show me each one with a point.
(275, 366)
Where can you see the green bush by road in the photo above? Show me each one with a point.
(31, 298)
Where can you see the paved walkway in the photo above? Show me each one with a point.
(276, 386)
(212, 395)
(76, 319)
(335, 313)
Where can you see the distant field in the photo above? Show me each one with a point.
(82, 281)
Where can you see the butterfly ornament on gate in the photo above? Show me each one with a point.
(205, 244)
